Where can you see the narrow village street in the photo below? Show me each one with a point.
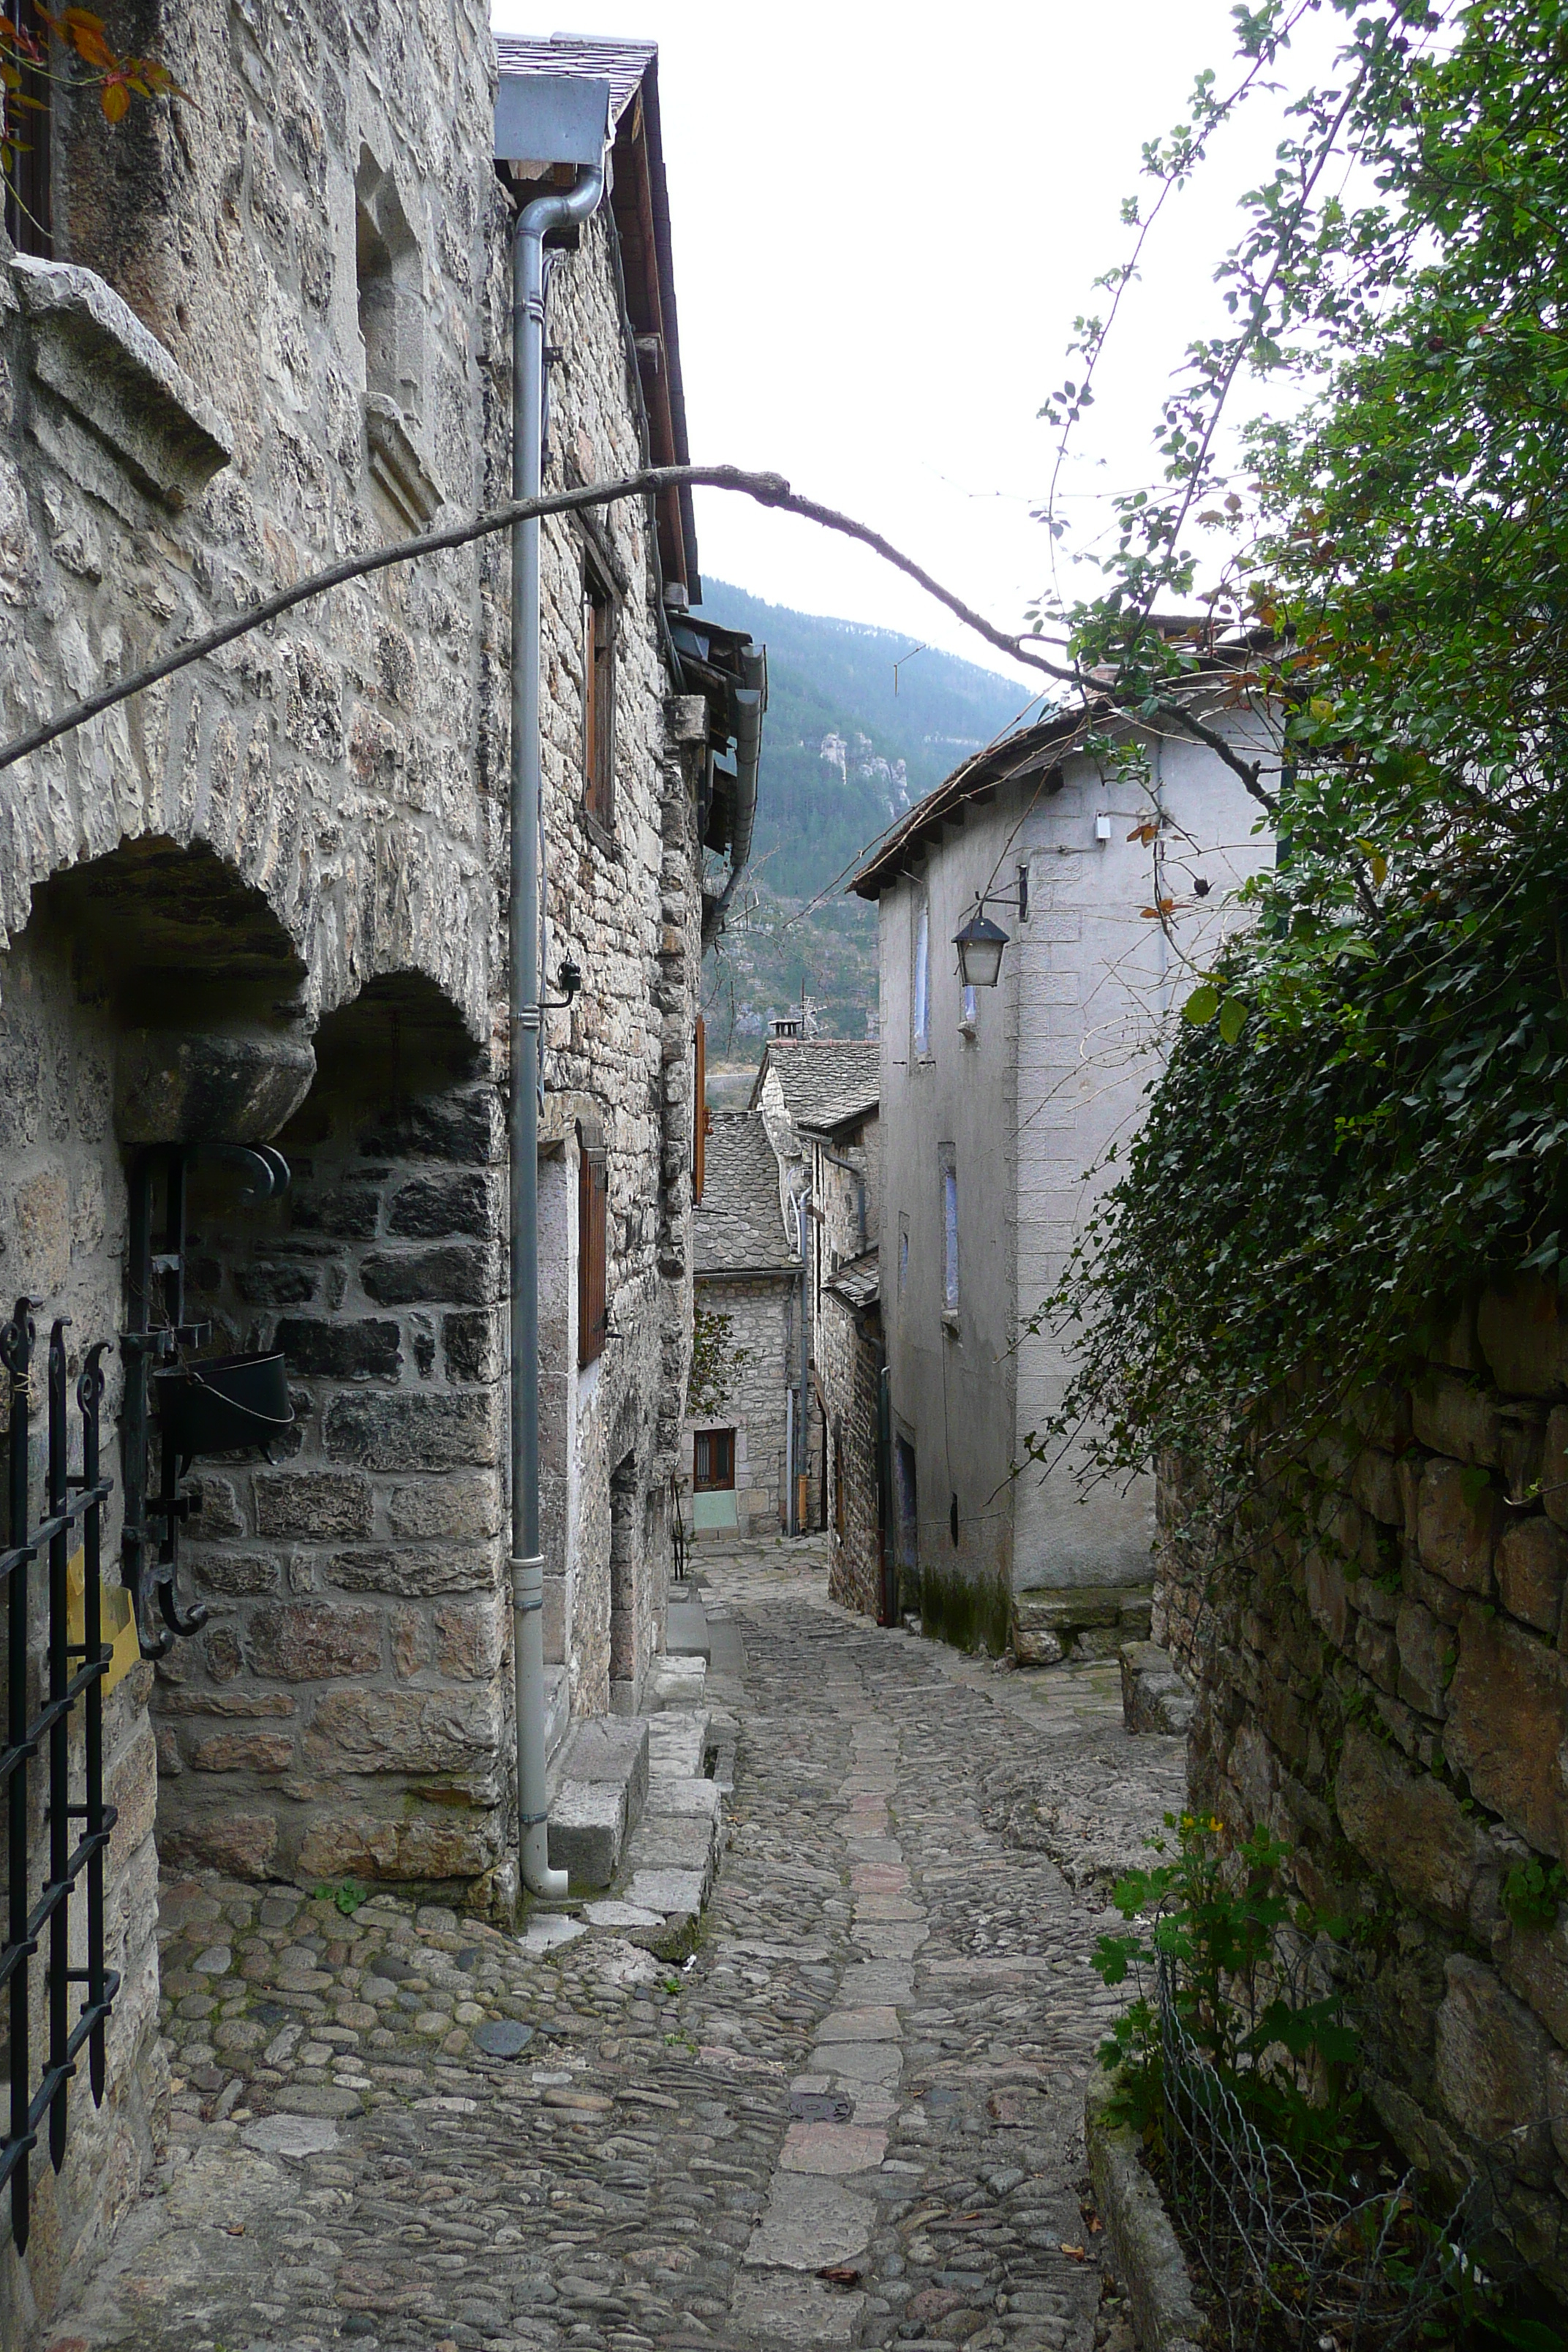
(851, 2113)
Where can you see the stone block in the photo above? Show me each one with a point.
(610, 1748)
(1508, 1713)
(308, 1641)
(1524, 1335)
(317, 1503)
(318, 1348)
(673, 1893)
(469, 1642)
(1534, 1961)
(1490, 2068)
(265, 1284)
(465, 1505)
(217, 1510)
(464, 1124)
(405, 1730)
(1377, 1654)
(1531, 1567)
(352, 1843)
(414, 1572)
(1153, 1696)
(1456, 1527)
(471, 1342)
(1454, 1418)
(1327, 1595)
(1408, 1825)
(408, 1429)
(587, 1830)
(344, 1212)
(235, 1572)
(1426, 1650)
(1374, 1483)
(457, 1274)
(432, 1208)
(40, 1212)
(240, 1846)
(174, 1087)
(243, 1751)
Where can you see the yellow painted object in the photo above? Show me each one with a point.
(119, 1626)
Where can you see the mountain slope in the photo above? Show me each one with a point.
(844, 754)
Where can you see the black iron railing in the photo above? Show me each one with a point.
(40, 1734)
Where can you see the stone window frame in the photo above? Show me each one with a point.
(592, 1250)
(700, 1437)
(919, 974)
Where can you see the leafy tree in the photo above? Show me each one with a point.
(1367, 1105)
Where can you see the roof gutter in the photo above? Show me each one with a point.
(750, 700)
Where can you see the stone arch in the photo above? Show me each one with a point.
(356, 1585)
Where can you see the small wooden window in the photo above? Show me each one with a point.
(714, 1461)
(593, 1254)
(598, 697)
(29, 214)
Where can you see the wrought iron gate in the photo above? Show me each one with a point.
(72, 1676)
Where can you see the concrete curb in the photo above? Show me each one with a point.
(1148, 2263)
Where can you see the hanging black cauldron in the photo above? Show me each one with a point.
(225, 1403)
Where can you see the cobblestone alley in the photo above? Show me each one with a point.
(851, 2116)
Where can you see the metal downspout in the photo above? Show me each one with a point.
(751, 702)
(523, 1126)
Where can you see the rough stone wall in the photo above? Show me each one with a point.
(625, 901)
(847, 1357)
(760, 1339)
(1378, 1647)
(345, 1712)
(62, 1225)
(318, 784)
(854, 1575)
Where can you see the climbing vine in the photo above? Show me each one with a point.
(717, 1363)
(1366, 1105)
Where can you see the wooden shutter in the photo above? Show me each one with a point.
(701, 1122)
(593, 1191)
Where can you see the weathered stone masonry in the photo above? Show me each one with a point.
(1382, 1679)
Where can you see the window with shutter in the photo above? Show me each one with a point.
(593, 1194)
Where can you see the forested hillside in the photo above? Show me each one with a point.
(844, 754)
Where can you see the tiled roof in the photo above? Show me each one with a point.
(858, 1281)
(620, 63)
(738, 1225)
(825, 1080)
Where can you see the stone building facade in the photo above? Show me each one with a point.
(1377, 1648)
(264, 904)
(996, 1107)
(735, 1454)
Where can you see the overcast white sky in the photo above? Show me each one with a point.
(885, 219)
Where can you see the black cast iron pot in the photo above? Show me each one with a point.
(227, 1402)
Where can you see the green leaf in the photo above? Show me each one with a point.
(1202, 1004)
(1232, 1019)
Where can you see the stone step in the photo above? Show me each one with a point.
(685, 1628)
(1089, 1621)
(1153, 1696)
(675, 1682)
(595, 1792)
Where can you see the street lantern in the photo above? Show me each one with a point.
(980, 944)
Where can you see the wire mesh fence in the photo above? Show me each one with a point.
(1292, 2261)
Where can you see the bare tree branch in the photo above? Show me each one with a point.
(768, 489)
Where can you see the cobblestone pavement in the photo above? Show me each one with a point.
(852, 2115)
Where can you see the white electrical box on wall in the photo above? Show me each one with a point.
(1102, 826)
